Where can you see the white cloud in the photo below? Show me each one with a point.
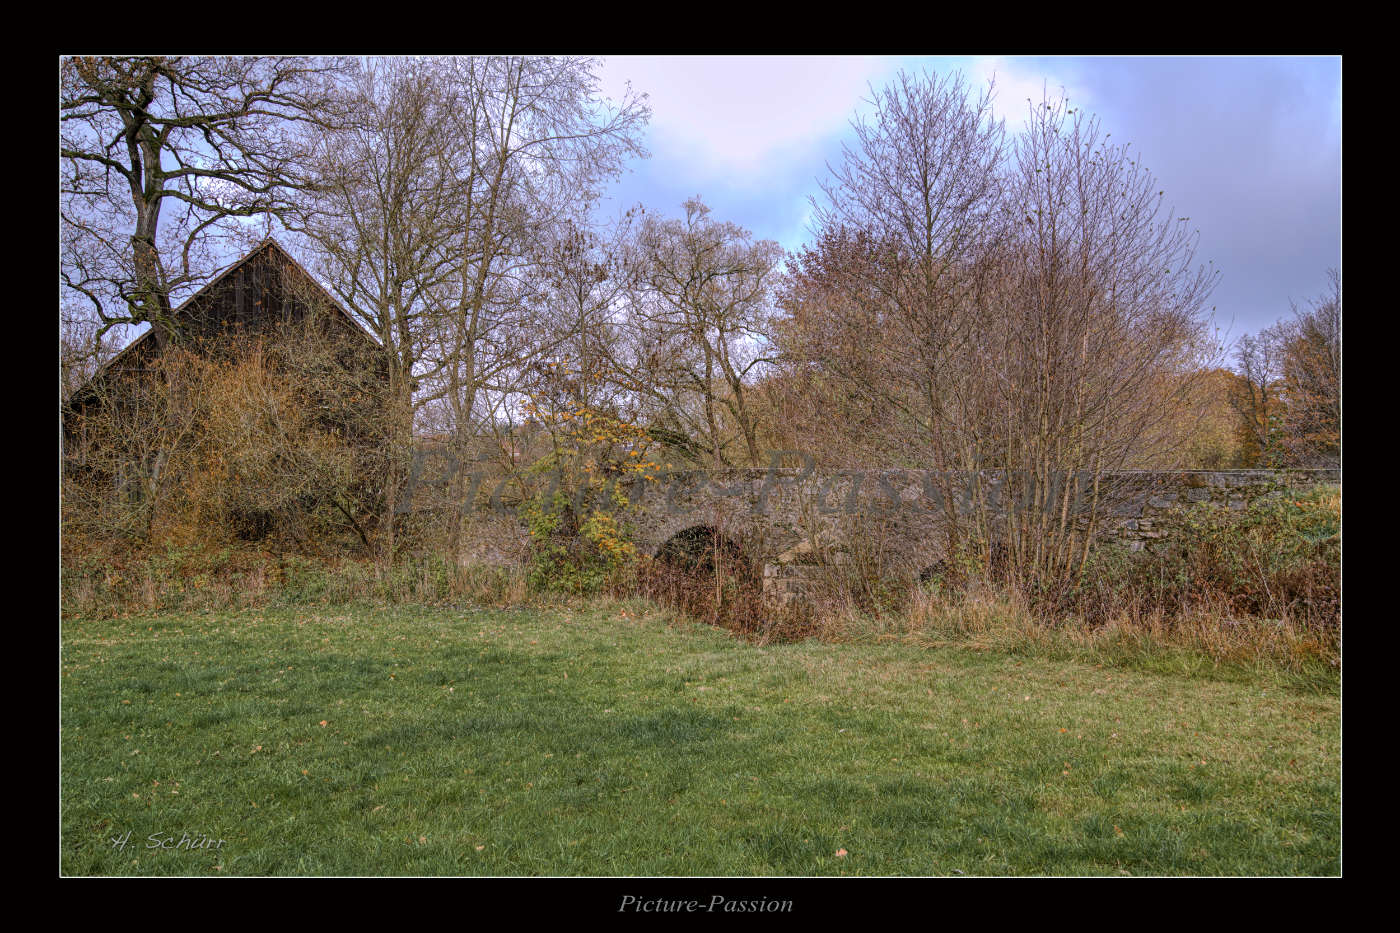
(734, 115)
(1015, 84)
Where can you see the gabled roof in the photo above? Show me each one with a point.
(267, 244)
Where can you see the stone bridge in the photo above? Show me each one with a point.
(788, 519)
(784, 517)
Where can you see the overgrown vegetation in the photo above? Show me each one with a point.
(1255, 587)
(1278, 561)
(709, 576)
(253, 439)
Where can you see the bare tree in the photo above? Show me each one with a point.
(703, 325)
(1312, 379)
(159, 156)
(912, 214)
(1256, 395)
(922, 172)
(837, 340)
(587, 277)
(382, 213)
(536, 143)
(81, 350)
(1039, 318)
(1098, 329)
(436, 211)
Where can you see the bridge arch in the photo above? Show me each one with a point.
(697, 547)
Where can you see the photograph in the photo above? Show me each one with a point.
(696, 477)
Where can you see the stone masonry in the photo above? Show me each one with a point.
(791, 520)
(784, 516)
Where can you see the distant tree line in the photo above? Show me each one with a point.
(1287, 386)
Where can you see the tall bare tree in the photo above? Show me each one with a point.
(537, 143)
(1098, 327)
(703, 323)
(159, 156)
(437, 210)
(910, 216)
(1036, 315)
(381, 213)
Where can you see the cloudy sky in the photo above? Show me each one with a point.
(1248, 148)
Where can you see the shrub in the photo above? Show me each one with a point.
(578, 549)
(580, 538)
(1280, 558)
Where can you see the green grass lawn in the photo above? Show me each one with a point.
(399, 740)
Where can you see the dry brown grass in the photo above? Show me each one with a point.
(987, 618)
(104, 582)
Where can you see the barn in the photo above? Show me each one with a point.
(264, 303)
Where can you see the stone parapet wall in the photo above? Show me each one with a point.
(784, 517)
(777, 509)
(791, 519)
(1147, 504)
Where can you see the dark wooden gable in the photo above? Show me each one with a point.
(250, 298)
(265, 288)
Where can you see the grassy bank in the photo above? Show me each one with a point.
(610, 740)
